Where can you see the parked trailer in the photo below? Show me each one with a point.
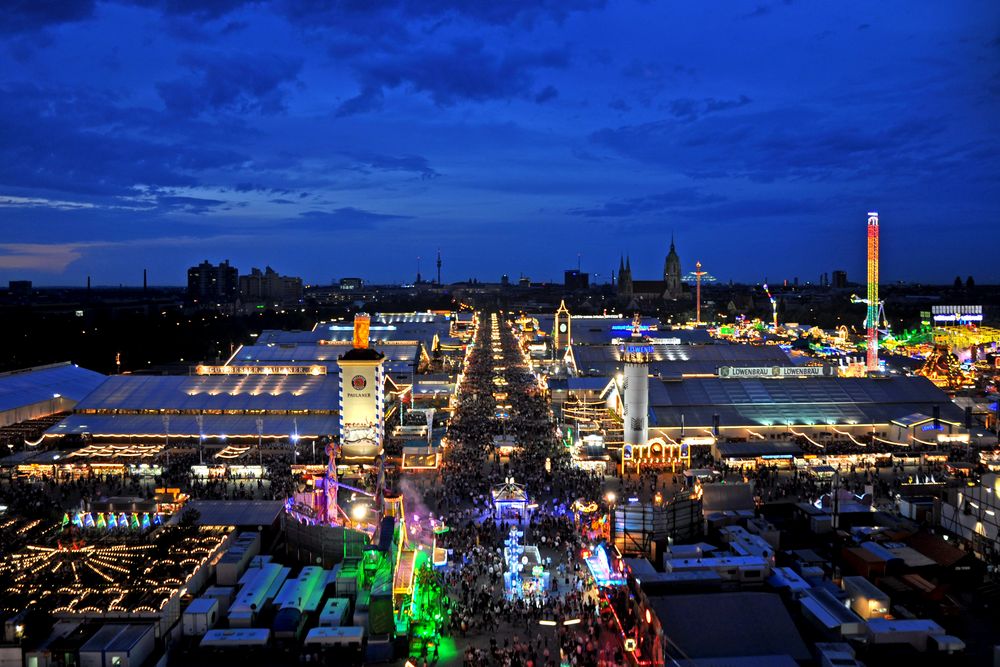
(336, 613)
(200, 616)
(297, 599)
(235, 639)
(259, 588)
(336, 646)
(867, 600)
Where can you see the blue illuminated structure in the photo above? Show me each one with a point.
(601, 568)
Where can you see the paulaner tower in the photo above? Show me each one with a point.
(871, 322)
(635, 352)
(362, 379)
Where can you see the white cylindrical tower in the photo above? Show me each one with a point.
(636, 406)
(635, 352)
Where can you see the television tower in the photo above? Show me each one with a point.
(871, 322)
(439, 267)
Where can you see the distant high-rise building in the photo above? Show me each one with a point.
(348, 284)
(839, 279)
(268, 287)
(574, 279)
(210, 283)
(19, 289)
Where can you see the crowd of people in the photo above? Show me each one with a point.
(496, 365)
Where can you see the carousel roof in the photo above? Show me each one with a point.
(509, 492)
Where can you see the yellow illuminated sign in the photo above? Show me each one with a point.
(260, 370)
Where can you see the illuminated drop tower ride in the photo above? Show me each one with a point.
(871, 322)
(698, 273)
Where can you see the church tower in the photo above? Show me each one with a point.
(672, 272)
(561, 330)
(624, 278)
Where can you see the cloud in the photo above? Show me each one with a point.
(11, 201)
(655, 72)
(195, 205)
(347, 216)
(465, 70)
(203, 9)
(525, 12)
(545, 94)
(355, 15)
(55, 258)
(369, 99)
(414, 163)
(786, 143)
(257, 187)
(678, 198)
(79, 141)
(233, 82)
(686, 108)
(45, 257)
(349, 14)
(758, 11)
(33, 15)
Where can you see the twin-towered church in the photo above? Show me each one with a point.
(670, 288)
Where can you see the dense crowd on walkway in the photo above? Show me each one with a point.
(541, 464)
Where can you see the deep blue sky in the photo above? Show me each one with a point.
(335, 139)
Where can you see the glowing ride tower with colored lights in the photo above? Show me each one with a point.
(871, 321)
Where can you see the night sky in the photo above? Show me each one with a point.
(332, 139)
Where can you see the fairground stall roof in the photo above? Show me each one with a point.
(227, 393)
(226, 405)
(43, 383)
(809, 401)
(400, 357)
(677, 360)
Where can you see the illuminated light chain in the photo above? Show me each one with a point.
(803, 435)
(104, 576)
(853, 439)
(890, 442)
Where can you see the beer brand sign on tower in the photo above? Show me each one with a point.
(362, 379)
